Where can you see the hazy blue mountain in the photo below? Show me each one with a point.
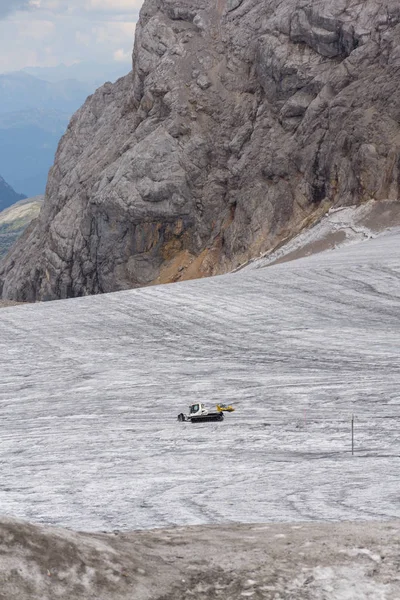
(20, 91)
(28, 141)
(8, 196)
(91, 72)
(53, 121)
(34, 113)
(36, 105)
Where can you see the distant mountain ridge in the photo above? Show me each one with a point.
(8, 195)
(35, 107)
(34, 114)
(28, 141)
(85, 71)
(21, 91)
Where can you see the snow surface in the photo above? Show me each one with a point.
(90, 390)
(338, 227)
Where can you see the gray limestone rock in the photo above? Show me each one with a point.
(239, 122)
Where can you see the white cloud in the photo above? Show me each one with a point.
(83, 38)
(66, 31)
(9, 6)
(110, 9)
(39, 30)
(113, 33)
(121, 56)
(113, 6)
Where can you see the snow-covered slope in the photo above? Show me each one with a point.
(90, 390)
(336, 228)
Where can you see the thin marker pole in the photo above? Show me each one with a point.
(352, 435)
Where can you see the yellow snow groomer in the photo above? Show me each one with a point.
(224, 407)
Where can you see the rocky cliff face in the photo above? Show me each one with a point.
(240, 122)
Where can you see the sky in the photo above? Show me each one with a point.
(46, 33)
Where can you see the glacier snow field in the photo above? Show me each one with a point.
(90, 390)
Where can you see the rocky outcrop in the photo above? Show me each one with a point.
(240, 122)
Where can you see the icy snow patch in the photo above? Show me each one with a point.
(339, 227)
(90, 390)
(345, 583)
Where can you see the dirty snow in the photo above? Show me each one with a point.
(231, 562)
(339, 227)
(90, 390)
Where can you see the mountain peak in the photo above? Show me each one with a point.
(8, 195)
